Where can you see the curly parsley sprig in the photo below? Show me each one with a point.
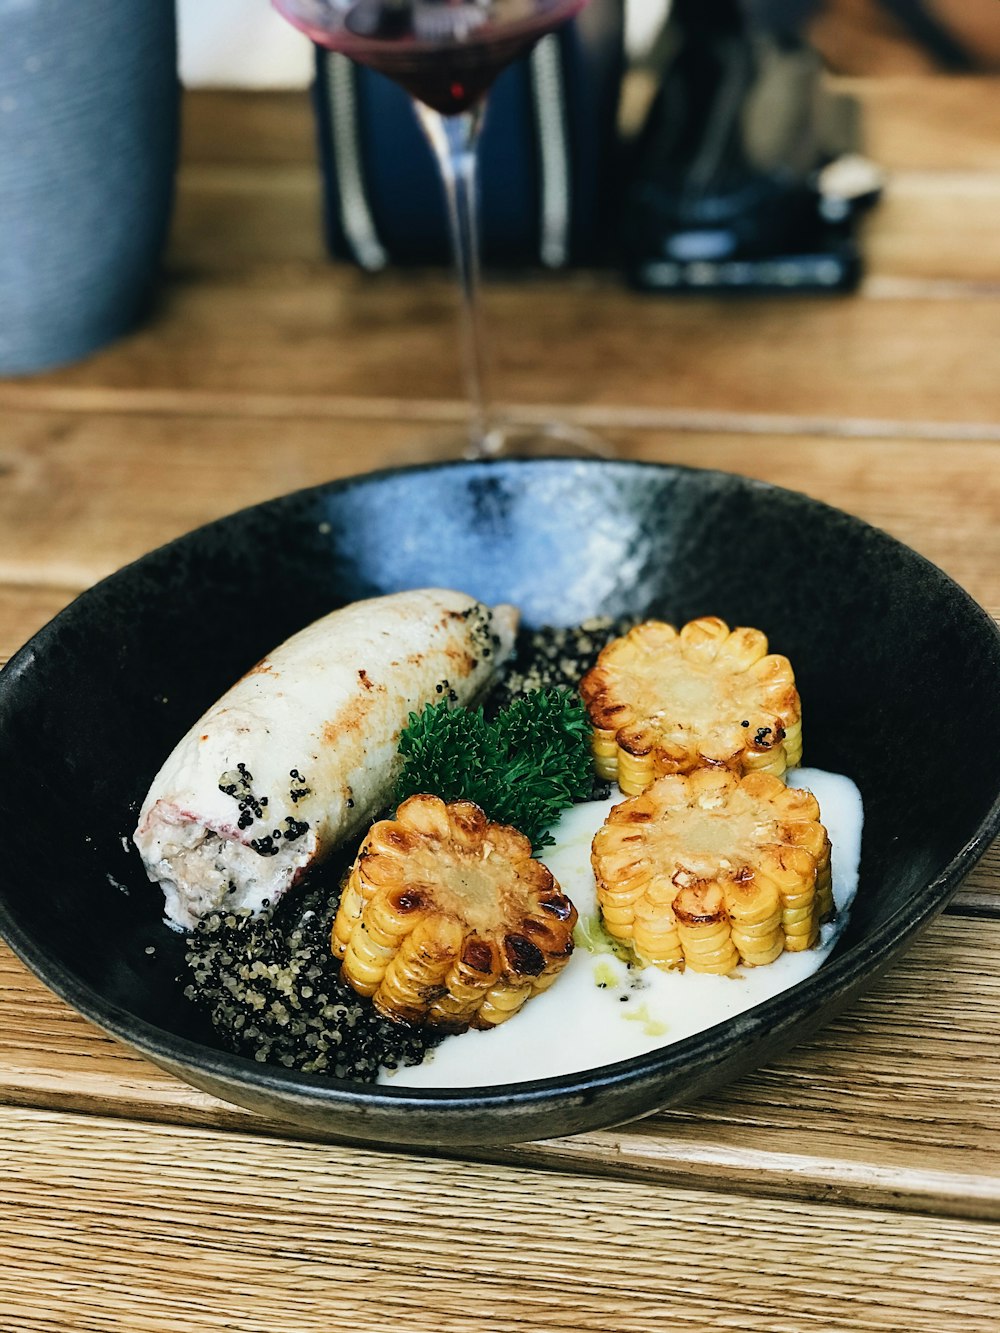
(523, 768)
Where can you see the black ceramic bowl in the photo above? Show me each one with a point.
(897, 666)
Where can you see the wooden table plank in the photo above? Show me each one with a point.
(231, 218)
(161, 476)
(222, 126)
(305, 331)
(912, 235)
(936, 124)
(911, 123)
(326, 1239)
(897, 1104)
(249, 199)
(250, 193)
(981, 891)
(857, 36)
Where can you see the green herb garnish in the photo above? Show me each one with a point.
(526, 766)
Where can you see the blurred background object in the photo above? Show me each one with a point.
(88, 144)
(748, 169)
(88, 119)
(242, 43)
(748, 172)
(909, 36)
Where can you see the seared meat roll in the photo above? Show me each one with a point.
(301, 752)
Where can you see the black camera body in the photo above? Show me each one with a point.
(748, 173)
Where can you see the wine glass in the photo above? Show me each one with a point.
(446, 54)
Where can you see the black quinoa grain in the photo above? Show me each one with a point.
(273, 993)
(554, 656)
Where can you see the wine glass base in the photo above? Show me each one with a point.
(508, 439)
(538, 439)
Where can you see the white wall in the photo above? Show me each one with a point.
(244, 43)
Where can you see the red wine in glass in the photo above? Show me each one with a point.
(447, 54)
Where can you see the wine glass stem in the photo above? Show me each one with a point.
(455, 141)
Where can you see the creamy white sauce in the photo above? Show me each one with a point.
(598, 1010)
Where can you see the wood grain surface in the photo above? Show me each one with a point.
(269, 332)
(855, 1183)
(316, 1244)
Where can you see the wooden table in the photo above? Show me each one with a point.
(856, 1184)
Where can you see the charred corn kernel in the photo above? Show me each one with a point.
(751, 959)
(709, 870)
(368, 964)
(416, 969)
(794, 918)
(348, 914)
(793, 745)
(824, 887)
(634, 772)
(799, 943)
(447, 919)
(654, 934)
(667, 960)
(664, 702)
(704, 929)
(604, 748)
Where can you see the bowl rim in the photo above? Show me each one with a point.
(838, 974)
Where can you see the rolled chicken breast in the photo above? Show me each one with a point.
(302, 751)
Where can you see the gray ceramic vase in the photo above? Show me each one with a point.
(88, 145)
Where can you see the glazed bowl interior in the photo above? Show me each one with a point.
(896, 666)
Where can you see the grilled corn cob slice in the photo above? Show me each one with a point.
(446, 919)
(663, 701)
(710, 870)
